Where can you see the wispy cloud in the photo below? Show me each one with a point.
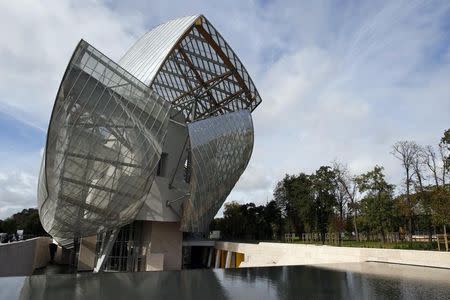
(339, 80)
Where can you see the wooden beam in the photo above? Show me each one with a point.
(226, 61)
(198, 76)
(223, 103)
(208, 82)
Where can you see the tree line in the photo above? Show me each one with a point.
(26, 220)
(333, 200)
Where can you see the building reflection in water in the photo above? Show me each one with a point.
(201, 284)
(293, 282)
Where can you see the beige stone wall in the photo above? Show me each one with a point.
(41, 252)
(163, 245)
(86, 256)
(167, 239)
(155, 208)
(21, 258)
(280, 254)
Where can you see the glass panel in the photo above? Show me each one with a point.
(103, 147)
(220, 149)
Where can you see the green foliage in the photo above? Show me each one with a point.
(373, 182)
(440, 205)
(331, 200)
(27, 219)
(250, 222)
(9, 226)
(445, 141)
(324, 202)
(294, 195)
(377, 203)
(446, 138)
(308, 201)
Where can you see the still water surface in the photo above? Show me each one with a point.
(349, 281)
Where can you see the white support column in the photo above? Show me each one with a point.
(210, 254)
(228, 260)
(217, 264)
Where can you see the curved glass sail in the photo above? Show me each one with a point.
(107, 131)
(190, 64)
(103, 145)
(220, 150)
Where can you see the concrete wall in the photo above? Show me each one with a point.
(41, 252)
(21, 258)
(86, 256)
(167, 239)
(155, 208)
(281, 254)
(163, 246)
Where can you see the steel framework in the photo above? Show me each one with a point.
(110, 120)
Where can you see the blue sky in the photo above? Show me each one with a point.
(339, 79)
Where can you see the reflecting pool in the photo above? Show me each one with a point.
(340, 281)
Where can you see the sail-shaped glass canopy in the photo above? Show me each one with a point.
(104, 142)
(110, 125)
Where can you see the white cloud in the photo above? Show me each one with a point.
(17, 191)
(38, 42)
(38, 38)
(18, 181)
(255, 178)
(338, 81)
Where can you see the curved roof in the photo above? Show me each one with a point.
(146, 56)
(187, 62)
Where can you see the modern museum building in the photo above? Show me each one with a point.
(141, 153)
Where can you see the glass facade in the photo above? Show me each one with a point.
(103, 145)
(126, 254)
(221, 148)
(108, 131)
(199, 74)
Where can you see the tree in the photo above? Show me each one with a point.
(308, 201)
(234, 220)
(324, 201)
(294, 197)
(445, 161)
(424, 157)
(273, 217)
(406, 152)
(377, 202)
(442, 202)
(248, 221)
(441, 209)
(10, 227)
(300, 192)
(28, 220)
(444, 150)
(347, 183)
(431, 161)
(280, 196)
